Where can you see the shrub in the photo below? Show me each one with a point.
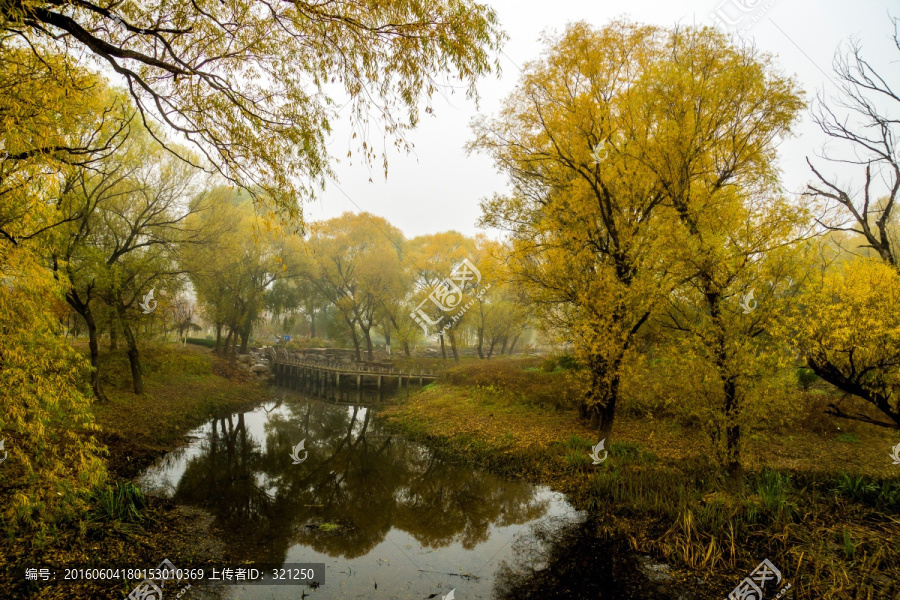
(560, 362)
(511, 381)
(806, 377)
(302, 343)
(207, 342)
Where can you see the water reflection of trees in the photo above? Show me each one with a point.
(565, 560)
(356, 475)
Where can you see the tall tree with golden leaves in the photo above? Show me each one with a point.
(712, 116)
(621, 143)
(583, 207)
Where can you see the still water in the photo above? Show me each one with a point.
(387, 517)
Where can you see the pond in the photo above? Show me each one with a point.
(387, 517)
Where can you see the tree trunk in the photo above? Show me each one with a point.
(387, 338)
(352, 325)
(367, 332)
(84, 309)
(731, 403)
(245, 339)
(589, 408)
(833, 375)
(599, 404)
(134, 358)
(480, 343)
(406, 347)
(94, 345)
(453, 344)
(513, 345)
(443, 348)
(229, 349)
(312, 324)
(113, 335)
(218, 337)
(491, 348)
(732, 428)
(503, 347)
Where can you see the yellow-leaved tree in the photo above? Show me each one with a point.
(642, 164)
(848, 325)
(354, 262)
(434, 258)
(717, 112)
(52, 459)
(845, 326)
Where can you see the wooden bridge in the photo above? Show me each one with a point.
(318, 373)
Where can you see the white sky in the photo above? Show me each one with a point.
(438, 187)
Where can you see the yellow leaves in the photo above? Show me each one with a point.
(43, 411)
(852, 318)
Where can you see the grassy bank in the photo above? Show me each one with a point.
(820, 498)
(121, 526)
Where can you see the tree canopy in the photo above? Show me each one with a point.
(255, 85)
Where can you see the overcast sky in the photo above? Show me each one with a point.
(438, 187)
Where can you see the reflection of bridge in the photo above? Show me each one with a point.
(320, 373)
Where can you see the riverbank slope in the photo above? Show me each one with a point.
(820, 499)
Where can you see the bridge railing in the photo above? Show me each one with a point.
(282, 356)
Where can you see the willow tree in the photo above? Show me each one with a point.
(434, 258)
(235, 264)
(255, 85)
(45, 416)
(127, 215)
(717, 112)
(631, 151)
(354, 262)
(848, 327)
(500, 312)
(582, 213)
